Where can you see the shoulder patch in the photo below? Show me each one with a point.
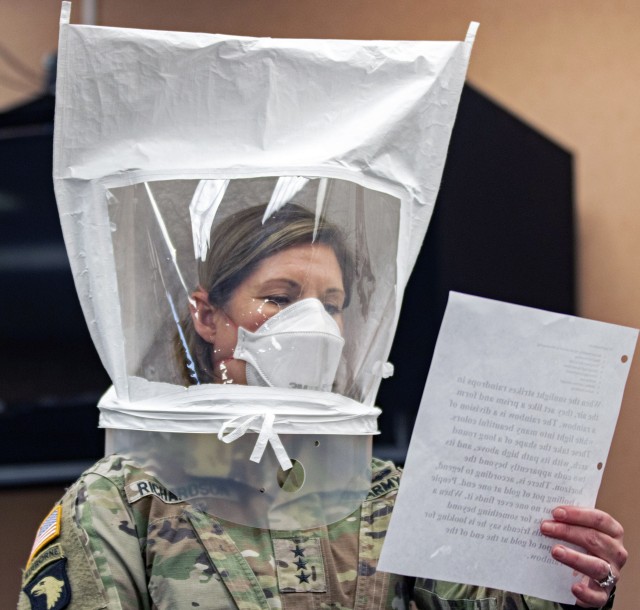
(51, 589)
(42, 560)
(49, 530)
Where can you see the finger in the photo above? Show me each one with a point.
(593, 567)
(589, 595)
(595, 542)
(589, 517)
(588, 592)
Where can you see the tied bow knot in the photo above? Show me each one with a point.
(238, 426)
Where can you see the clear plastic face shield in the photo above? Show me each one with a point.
(282, 282)
(241, 262)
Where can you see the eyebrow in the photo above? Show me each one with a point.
(296, 285)
(335, 291)
(280, 280)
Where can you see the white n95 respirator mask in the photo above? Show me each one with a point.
(299, 347)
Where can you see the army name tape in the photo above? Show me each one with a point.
(139, 489)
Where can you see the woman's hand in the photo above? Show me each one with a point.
(601, 536)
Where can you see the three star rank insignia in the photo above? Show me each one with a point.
(299, 565)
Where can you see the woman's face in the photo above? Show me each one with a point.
(299, 272)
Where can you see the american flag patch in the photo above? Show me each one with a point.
(49, 530)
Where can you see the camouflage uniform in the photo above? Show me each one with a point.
(129, 543)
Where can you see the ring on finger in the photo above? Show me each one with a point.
(608, 580)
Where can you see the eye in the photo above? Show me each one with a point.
(281, 300)
(332, 309)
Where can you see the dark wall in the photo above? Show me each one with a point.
(503, 228)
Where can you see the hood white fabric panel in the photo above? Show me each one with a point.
(155, 101)
(135, 105)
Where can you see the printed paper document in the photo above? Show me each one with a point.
(517, 417)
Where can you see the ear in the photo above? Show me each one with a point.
(203, 315)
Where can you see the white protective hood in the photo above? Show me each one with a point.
(140, 114)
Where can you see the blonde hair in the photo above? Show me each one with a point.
(238, 245)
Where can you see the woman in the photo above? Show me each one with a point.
(255, 272)
(125, 541)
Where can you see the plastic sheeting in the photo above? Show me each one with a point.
(162, 137)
